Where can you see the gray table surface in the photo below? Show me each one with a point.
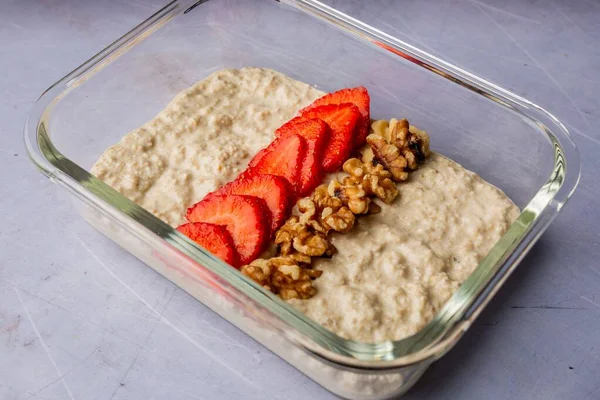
(82, 319)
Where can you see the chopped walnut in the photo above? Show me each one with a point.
(389, 156)
(385, 189)
(284, 236)
(283, 276)
(366, 179)
(376, 169)
(313, 244)
(413, 146)
(424, 137)
(340, 221)
(374, 180)
(293, 282)
(300, 237)
(380, 127)
(312, 217)
(259, 270)
(354, 167)
(296, 289)
(358, 169)
(324, 199)
(354, 196)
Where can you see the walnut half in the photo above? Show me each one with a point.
(413, 143)
(374, 181)
(389, 156)
(351, 193)
(283, 276)
(297, 236)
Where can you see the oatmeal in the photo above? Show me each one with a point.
(390, 273)
(394, 270)
(203, 139)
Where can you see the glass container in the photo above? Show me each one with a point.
(509, 141)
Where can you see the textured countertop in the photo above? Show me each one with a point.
(82, 319)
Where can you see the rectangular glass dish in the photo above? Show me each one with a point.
(510, 142)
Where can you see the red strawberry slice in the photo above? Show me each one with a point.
(359, 96)
(213, 238)
(283, 157)
(316, 133)
(242, 216)
(274, 190)
(342, 120)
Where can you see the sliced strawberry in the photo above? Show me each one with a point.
(359, 96)
(244, 218)
(213, 238)
(274, 190)
(316, 133)
(283, 157)
(342, 120)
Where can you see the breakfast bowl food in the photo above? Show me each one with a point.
(138, 194)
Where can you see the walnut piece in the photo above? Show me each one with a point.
(358, 169)
(296, 236)
(385, 189)
(340, 221)
(414, 146)
(312, 244)
(351, 193)
(309, 215)
(324, 199)
(354, 196)
(424, 137)
(293, 282)
(380, 127)
(366, 179)
(322, 213)
(355, 167)
(282, 276)
(389, 156)
(373, 178)
(296, 289)
(376, 169)
(260, 271)
(284, 236)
